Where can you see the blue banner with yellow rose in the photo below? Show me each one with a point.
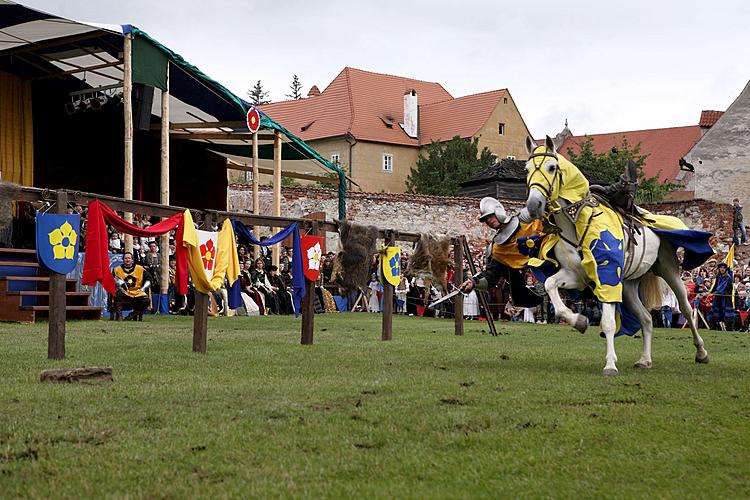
(390, 259)
(57, 241)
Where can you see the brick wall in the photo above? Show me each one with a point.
(447, 215)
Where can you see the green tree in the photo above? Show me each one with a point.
(257, 95)
(447, 165)
(330, 175)
(607, 167)
(296, 87)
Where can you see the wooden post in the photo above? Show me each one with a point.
(256, 187)
(308, 303)
(200, 322)
(57, 300)
(387, 329)
(127, 109)
(200, 314)
(276, 188)
(164, 198)
(458, 278)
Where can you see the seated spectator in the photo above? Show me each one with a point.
(133, 283)
(260, 282)
(284, 297)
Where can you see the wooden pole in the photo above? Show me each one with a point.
(387, 327)
(164, 198)
(200, 314)
(57, 301)
(308, 303)
(127, 109)
(200, 322)
(256, 187)
(276, 188)
(458, 278)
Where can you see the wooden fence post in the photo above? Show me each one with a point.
(200, 314)
(387, 331)
(57, 300)
(458, 278)
(308, 302)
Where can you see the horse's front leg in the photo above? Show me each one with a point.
(567, 279)
(608, 327)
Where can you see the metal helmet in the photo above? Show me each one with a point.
(489, 206)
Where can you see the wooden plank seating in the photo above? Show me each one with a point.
(24, 290)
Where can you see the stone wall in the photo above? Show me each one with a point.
(446, 215)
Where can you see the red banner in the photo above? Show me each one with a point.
(312, 252)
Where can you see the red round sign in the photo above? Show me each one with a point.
(253, 119)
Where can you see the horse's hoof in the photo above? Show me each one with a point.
(642, 365)
(610, 372)
(702, 361)
(582, 322)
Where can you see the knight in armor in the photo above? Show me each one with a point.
(506, 258)
(133, 283)
(620, 194)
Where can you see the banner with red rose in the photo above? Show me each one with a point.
(312, 252)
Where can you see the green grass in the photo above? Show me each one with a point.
(426, 415)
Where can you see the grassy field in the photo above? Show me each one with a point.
(428, 415)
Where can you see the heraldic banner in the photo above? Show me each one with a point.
(211, 256)
(390, 262)
(312, 251)
(57, 241)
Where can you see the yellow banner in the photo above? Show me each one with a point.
(390, 265)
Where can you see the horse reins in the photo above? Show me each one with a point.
(546, 190)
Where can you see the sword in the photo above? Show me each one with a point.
(450, 295)
(444, 298)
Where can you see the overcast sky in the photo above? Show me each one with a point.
(605, 66)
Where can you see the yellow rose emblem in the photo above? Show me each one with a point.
(63, 241)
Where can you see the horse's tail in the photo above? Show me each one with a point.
(651, 288)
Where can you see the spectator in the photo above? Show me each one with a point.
(373, 304)
(152, 263)
(738, 224)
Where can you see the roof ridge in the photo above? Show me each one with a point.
(390, 75)
(631, 131)
(464, 96)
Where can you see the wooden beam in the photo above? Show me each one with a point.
(387, 326)
(284, 173)
(74, 71)
(212, 136)
(164, 185)
(32, 194)
(57, 299)
(458, 278)
(276, 189)
(200, 322)
(63, 40)
(127, 110)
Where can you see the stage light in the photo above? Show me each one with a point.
(97, 103)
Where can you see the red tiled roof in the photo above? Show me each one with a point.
(709, 118)
(665, 146)
(461, 117)
(358, 102)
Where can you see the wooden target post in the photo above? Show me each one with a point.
(57, 300)
(308, 302)
(458, 278)
(200, 314)
(387, 330)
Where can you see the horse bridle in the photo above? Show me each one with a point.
(546, 190)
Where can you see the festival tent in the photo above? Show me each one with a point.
(61, 110)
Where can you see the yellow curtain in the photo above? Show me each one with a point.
(16, 130)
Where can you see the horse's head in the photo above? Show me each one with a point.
(543, 177)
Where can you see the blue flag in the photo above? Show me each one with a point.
(57, 238)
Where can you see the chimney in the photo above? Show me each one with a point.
(314, 91)
(411, 114)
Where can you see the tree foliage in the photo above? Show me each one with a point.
(607, 167)
(257, 95)
(447, 165)
(296, 88)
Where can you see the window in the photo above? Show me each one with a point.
(335, 159)
(388, 162)
(511, 157)
(501, 128)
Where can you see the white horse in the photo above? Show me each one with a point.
(648, 257)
